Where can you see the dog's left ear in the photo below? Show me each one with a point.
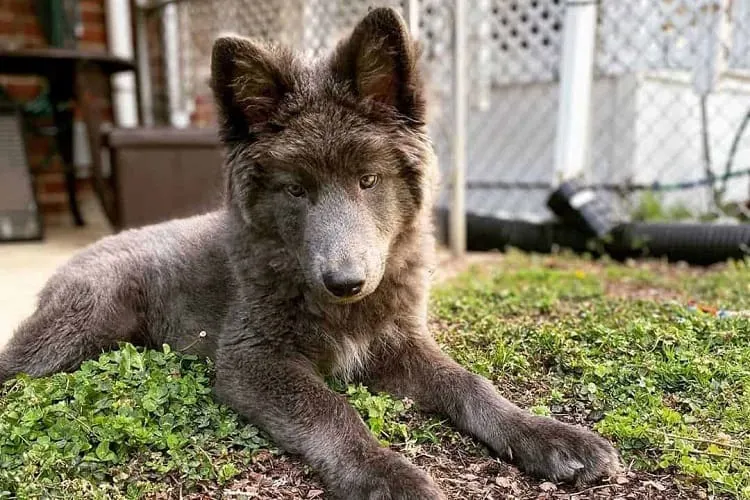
(380, 62)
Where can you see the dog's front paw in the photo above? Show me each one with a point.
(560, 452)
(409, 484)
(392, 477)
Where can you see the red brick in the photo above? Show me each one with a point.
(93, 33)
(96, 6)
(44, 121)
(108, 114)
(51, 167)
(7, 26)
(52, 207)
(39, 164)
(25, 18)
(53, 187)
(37, 144)
(23, 92)
(44, 177)
(50, 197)
(92, 46)
(35, 158)
(18, 7)
(19, 80)
(32, 30)
(84, 185)
(93, 17)
(25, 6)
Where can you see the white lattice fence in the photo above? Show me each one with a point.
(667, 74)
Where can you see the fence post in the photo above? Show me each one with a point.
(458, 199)
(576, 74)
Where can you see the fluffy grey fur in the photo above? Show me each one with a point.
(317, 264)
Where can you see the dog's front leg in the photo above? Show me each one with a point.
(540, 446)
(285, 397)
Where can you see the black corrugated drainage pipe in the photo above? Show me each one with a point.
(694, 243)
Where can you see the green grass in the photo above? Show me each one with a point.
(116, 426)
(560, 335)
(651, 208)
(135, 422)
(669, 385)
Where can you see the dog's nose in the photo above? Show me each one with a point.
(343, 284)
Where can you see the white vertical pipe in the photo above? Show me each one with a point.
(120, 39)
(177, 116)
(576, 73)
(458, 199)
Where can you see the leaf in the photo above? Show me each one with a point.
(102, 451)
(227, 472)
(547, 487)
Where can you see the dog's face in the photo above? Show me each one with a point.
(328, 158)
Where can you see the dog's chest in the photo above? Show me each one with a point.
(348, 342)
(354, 344)
(351, 357)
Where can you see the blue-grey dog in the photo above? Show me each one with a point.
(317, 264)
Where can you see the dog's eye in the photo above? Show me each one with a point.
(368, 181)
(295, 190)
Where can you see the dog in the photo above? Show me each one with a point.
(317, 264)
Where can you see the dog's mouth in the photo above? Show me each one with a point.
(333, 299)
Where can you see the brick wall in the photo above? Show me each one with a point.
(19, 28)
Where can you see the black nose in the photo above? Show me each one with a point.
(343, 285)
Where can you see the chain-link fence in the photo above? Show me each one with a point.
(670, 100)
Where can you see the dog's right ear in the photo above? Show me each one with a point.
(248, 79)
(379, 61)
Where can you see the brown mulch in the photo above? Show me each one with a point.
(461, 470)
(640, 291)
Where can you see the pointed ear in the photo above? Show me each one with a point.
(248, 79)
(379, 62)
